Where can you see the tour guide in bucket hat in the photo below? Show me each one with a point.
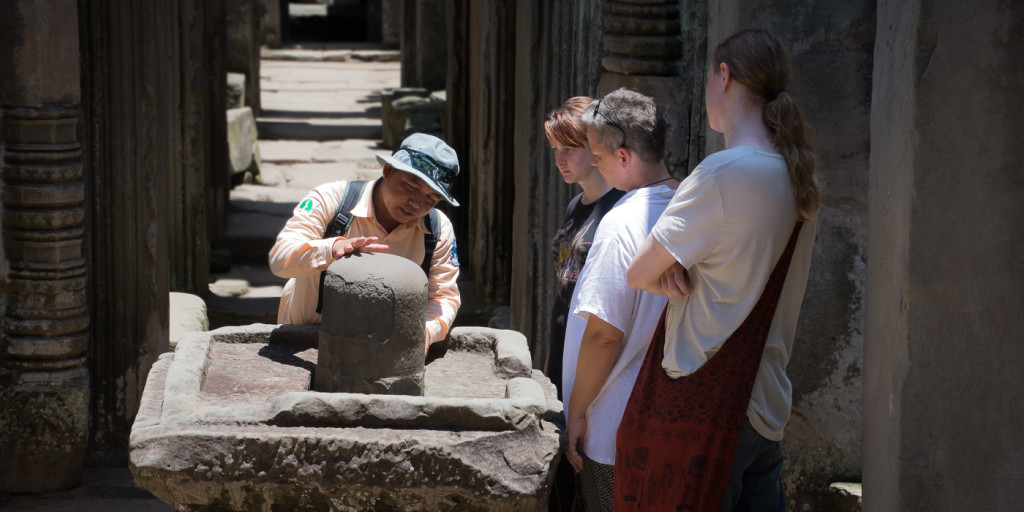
(428, 158)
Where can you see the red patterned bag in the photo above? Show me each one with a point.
(677, 439)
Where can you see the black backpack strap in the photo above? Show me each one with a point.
(430, 239)
(340, 223)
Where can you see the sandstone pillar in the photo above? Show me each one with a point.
(149, 148)
(478, 125)
(373, 335)
(391, 23)
(270, 23)
(198, 192)
(643, 47)
(424, 44)
(407, 42)
(557, 56)
(943, 352)
(242, 51)
(44, 380)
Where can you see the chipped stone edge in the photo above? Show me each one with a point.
(510, 348)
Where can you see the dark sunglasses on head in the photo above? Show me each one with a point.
(597, 110)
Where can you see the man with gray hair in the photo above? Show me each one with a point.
(611, 324)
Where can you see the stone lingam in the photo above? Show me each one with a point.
(249, 418)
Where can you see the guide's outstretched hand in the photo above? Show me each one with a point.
(349, 246)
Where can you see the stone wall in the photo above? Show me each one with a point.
(44, 321)
(943, 352)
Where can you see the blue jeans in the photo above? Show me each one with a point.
(755, 484)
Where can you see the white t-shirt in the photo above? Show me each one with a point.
(602, 290)
(728, 224)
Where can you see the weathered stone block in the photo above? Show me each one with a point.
(845, 497)
(187, 314)
(228, 422)
(243, 144)
(415, 115)
(392, 122)
(236, 90)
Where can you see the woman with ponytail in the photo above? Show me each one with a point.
(732, 251)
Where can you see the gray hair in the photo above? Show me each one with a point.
(625, 118)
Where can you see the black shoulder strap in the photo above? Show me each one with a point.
(340, 223)
(430, 239)
(343, 215)
(572, 206)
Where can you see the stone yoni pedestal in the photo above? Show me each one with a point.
(372, 335)
(228, 422)
(241, 419)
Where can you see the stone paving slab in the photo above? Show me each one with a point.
(102, 489)
(339, 55)
(348, 84)
(360, 151)
(319, 129)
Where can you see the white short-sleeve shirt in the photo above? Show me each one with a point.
(728, 224)
(602, 290)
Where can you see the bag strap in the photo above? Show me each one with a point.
(340, 224)
(571, 206)
(430, 239)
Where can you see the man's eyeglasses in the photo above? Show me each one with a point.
(439, 173)
(597, 110)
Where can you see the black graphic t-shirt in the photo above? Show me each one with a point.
(570, 247)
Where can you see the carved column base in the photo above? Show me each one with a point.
(44, 424)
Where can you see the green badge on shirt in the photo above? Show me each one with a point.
(306, 204)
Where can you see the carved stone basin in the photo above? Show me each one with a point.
(228, 422)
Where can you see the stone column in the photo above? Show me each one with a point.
(943, 356)
(242, 18)
(213, 58)
(373, 334)
(391, 23)
(424, 44)
(139, 143)
(480, 85)
(558, 53)
(194, 194)
(270, 23)
(643, 49)
(44, 380)
(407, 43)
